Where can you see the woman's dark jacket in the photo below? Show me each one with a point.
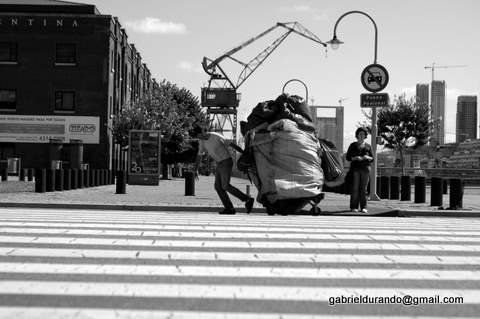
(356, 149)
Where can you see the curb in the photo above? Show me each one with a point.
(439, 213)
(171, 208)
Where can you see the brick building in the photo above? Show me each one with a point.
(65, 71)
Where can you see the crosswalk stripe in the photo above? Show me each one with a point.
(230, 228)
(264, 272)
(461, 229)
(42, 313)
(425, 237)
(217, 291)
(466, 247)
(315, 259)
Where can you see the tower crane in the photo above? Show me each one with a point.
(220, 96)
(434, 66)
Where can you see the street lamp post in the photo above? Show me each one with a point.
(335, 43)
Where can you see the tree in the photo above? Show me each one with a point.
(404, 125)
(169, 109)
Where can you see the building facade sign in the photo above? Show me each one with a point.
(28, 24)
(42, 128)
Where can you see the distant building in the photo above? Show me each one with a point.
(422, 94)
(330, 128)
(66, 70)
(466, 118)
(437, 111)
(467, 155)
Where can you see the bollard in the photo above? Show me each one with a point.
(92, 177)
(40, 180)
(67, 179)
(406, 185)
(456, 193)
(75, 179)
(121, 182)
(59, 179)
(189, 183)
(445, 186)
(22, 174)
(394, 187)
(384, 187)
(420, 185)
(86, 178)
(30, 174)
(379, 184)
(113, 173)
(50, 180)
(99, 177)
(436, 192)
(4, 174)
(102, 177)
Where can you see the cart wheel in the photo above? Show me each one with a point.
(315, 211)
(270, 211)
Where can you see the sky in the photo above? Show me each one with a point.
(174, 36)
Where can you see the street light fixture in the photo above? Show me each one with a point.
(335, 43)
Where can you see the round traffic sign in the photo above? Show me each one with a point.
(374, 78)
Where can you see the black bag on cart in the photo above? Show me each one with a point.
(332, 165)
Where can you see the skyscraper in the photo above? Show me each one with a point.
(422, 94)
(437, 111)
(466, 118)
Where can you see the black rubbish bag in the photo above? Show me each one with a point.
(332, 165)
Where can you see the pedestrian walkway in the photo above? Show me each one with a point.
(170, 195)
(108, 264)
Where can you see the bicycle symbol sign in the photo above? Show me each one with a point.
(374, 78)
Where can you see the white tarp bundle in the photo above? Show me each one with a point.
(287, 161)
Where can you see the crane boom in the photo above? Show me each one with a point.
(212, 67)
(434, 66)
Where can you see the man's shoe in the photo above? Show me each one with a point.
(227, 212)
(249, 205)
(364, 210)
(354, 210)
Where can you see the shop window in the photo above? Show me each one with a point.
(8, 99)
(64, 101)
(66, 53)
(8, 52)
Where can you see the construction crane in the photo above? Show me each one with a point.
(434, 66)
(220, 96)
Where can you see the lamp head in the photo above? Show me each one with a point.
(335, 43)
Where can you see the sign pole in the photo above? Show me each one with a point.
(373, 171)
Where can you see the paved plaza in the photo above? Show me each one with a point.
(170, 195)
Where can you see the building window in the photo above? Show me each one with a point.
(64, 101)
(66, 53)
(8, 99)
(8, 52)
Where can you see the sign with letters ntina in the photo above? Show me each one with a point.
(43, 128)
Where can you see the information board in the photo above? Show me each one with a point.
(43, 128)
(144, 157)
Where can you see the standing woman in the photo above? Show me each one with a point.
(360, 155)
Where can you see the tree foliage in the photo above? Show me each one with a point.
(404, 125)
(169, 109)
